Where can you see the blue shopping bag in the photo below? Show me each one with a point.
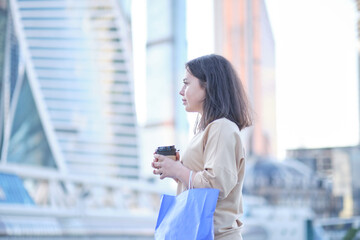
(188, 216)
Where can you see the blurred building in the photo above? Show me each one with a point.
(337, 167)
(290, 183)
(165, 120)
(243, 35)
(67, 91)
(69, 147)
(292, 200)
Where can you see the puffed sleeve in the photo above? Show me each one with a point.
(220, 160)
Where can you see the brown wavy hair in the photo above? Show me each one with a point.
(225, 96)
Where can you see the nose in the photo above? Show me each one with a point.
(182, 91)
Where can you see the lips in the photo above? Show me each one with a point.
(184, 101)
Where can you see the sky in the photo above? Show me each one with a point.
(316, 72)
(316, 67)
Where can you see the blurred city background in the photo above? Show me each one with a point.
(89, 89)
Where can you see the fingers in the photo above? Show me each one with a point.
(157, 172)
(162, 165)
(156, 165)
(158, 156)
(161, 158)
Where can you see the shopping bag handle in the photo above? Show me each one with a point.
(190, 178)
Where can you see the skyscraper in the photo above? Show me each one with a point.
(68, 132)
(66, 88)
(165, 122)
(243, 35)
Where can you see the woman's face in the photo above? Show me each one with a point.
(193, 95)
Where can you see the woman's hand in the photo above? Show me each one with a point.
(166, 167)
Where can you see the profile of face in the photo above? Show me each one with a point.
(193, 95)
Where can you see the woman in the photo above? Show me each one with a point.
(215, 155)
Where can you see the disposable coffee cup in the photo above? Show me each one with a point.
(168, 151)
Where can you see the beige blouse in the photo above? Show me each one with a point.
(217, 156)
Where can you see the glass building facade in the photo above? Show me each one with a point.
(69, 152)
(166, 54)
(66, 87)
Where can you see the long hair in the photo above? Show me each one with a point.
(225, 96)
